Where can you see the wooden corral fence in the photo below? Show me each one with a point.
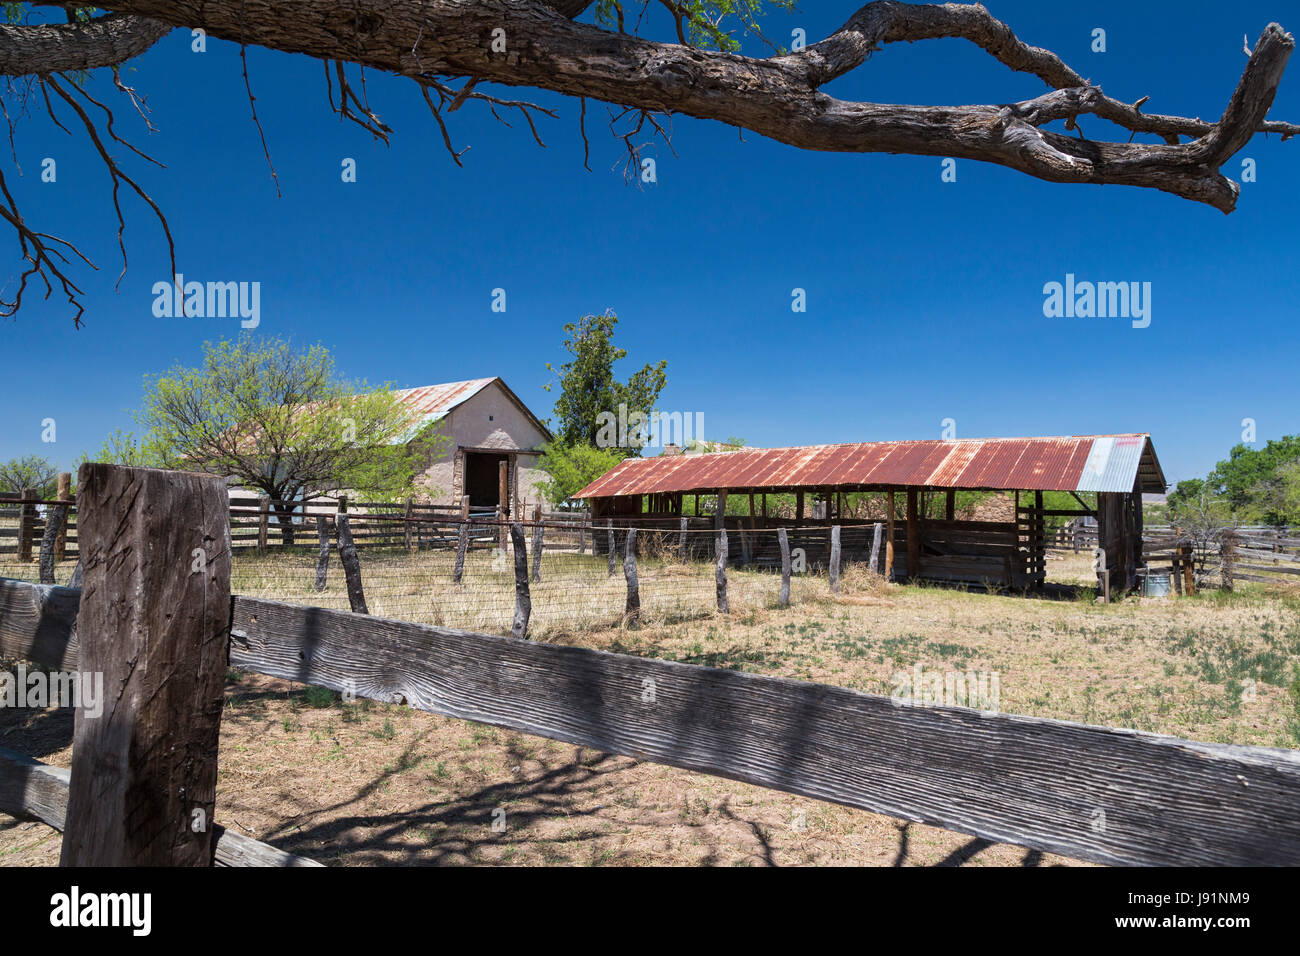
(1222, 556)
(264, 524)
(146, 795)
(25, 518)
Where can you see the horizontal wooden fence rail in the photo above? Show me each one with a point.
(29, 788)
(1093, 793)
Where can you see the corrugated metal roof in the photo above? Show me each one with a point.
(1074, 463)
(438, 400)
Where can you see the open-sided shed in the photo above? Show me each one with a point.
(1119, 468)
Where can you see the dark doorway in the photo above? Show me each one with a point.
(482, 478)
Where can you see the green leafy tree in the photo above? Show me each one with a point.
(281, 420)
(590, 395)
(1276, 499)
(570, 468)
(30, 471)
(1244, 475)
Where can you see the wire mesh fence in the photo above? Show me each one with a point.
(675, 573)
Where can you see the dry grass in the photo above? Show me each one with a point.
(371, 783)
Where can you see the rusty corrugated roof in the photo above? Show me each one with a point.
(1073, 463)
(438, 400)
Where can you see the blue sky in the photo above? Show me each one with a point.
(924, 298)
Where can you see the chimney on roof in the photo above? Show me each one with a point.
(670, 449)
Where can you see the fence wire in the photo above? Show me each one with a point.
(569, 590)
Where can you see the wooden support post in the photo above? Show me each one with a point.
(462, 541)
(351, 565)
(503, 499)
(523, 600)
(26, 525)
(950, 505)
(263, 516)
(322, 551)
(406, 524)
(798, 507)
(154, 629)
(720, 535)
(343, 505)
(632, 611)
(1189, 573)
(783, 541)
(55, 516)
(613, 550)
(913, 537)
(681, 541)
(1178, 571)
(834, 567)
(765, 509)
(537, 545)
(1227, 559)
(873, 561)
(64, 494)
(889, 537)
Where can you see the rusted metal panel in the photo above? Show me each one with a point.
(440, 399)
(1045, 465)
(1083, 463)
(954, 464)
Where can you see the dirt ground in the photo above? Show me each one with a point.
(376, 784)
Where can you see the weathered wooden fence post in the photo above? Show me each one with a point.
(523, 600)
(538, 545)
(1226, 560)
(154, 629)
(462, 541)
(351, 565)
(834, 570)
(26, 525)
(55, 515)
(784, 541)
(263, 521)
(720, 537)
(612, 549)
(1189, 570)
(323, 551)
(681, 540)
(632, 611)
(873, 561)
(64, 494)
(406, 523)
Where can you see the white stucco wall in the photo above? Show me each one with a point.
(489, 421)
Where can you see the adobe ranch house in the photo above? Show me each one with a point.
(484, 424)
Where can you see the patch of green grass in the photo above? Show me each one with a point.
(318, 697)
